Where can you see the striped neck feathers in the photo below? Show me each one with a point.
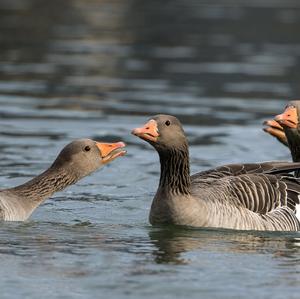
(175, 170)
(44, 185)
(293, 138)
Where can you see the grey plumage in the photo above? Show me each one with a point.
(272, 197)
(258, 196)
(77, 160)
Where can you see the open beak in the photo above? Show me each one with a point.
(288, 118)
(276, 130)
(273, 124)
(148, 132)
(111, 151)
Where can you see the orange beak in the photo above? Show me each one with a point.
(148, 132)
(110, 151)
(273, 124)
(276, 130)
(289, 118)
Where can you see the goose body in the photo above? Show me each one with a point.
(77, 160)
(14, 209)
(260, 196)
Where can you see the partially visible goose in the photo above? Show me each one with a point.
(77, 160)
(289, 121)
(238, 196)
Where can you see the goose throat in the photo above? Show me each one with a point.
(175, 171)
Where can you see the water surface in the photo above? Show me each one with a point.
(72, 69)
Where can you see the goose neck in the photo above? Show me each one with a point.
(45, 184)
(175, 170)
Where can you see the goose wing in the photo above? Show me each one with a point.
(260, 200)
(263, 193)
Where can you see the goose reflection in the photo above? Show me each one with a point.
(172, 244)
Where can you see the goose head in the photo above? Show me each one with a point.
(84, 156)
(163, 132)
(289, 121)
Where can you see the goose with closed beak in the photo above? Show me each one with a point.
(77, 160)
(258, 196)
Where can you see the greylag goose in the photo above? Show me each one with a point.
(289, 121)
(77, 160)
(258, 196)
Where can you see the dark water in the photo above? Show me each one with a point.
(71, 69)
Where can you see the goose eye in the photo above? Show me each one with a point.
(167, 123)
(87, 148)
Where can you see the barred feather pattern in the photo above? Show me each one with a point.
(262, 201)
(271, 167)
(254, 196)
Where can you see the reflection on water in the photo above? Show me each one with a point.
(75, 68)
(171, 243)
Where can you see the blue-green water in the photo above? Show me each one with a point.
(71, 69)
